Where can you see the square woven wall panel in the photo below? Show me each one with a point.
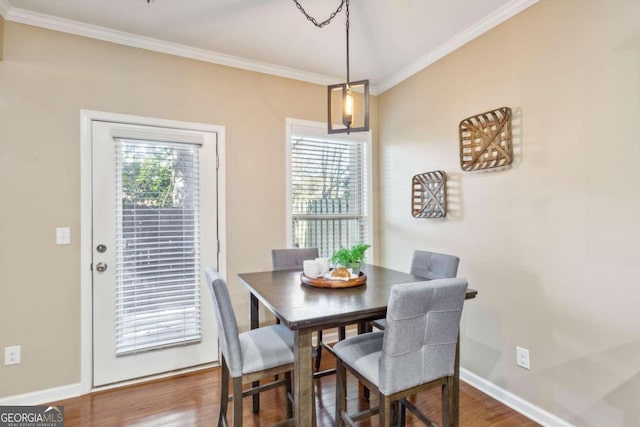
(485, 140)
(429, 195)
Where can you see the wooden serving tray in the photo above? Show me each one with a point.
(321, 282)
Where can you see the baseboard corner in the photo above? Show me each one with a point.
(528, 409)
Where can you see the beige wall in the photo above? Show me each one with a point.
(1, 37)
(46, 78)
(552, 243)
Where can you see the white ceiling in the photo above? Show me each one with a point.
(389, 39)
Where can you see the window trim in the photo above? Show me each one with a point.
(319, 129)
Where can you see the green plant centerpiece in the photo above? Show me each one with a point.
(351, 259)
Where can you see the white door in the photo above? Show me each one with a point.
(154, 229)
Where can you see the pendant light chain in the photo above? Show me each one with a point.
(347, 10)
(313, 20)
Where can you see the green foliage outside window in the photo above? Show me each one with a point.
(152, 178)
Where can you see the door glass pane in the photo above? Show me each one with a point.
(158, 256)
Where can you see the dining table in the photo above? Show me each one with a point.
(305, 309)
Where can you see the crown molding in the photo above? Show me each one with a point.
(499, 16)
(133, 40)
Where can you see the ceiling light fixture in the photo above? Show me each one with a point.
(347, 103)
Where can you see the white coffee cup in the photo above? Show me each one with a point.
(310, 268)
(323, 265)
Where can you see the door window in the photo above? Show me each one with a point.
(158, 256)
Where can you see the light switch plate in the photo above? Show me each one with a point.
(63, 236)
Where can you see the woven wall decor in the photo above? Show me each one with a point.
(428, 195)
(485, 140)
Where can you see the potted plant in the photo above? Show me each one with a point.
(351, 258)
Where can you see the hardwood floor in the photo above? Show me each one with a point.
(192, 400)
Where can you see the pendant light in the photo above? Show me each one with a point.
(347, 103)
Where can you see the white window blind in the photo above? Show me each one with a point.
(158, 257)
(328, 192)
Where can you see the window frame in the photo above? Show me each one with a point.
(319, 129)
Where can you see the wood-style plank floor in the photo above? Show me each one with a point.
(193, 400)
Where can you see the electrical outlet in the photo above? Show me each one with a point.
(12, 355)
(522, 357)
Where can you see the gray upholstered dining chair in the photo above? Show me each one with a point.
(293, 259)
(247, 356)
(416, 351)
(432, 265)
(429, 265)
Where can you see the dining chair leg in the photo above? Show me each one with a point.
(447, 403)
(341, 392)
(319, 352)
(254, 318)
(237, 402)
(395, 413)
(385, 411)
(289, 390)
(402, 414)
(224, 393)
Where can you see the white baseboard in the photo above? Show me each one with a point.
(43, 396)
(527, 409)
(74, 390)
(524, 407)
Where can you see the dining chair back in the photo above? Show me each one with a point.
(422, 331)
(249, 356)
(433, 265)
(429, 265)
(292, 259)
(416, 351)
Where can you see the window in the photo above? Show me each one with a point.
(328, 188)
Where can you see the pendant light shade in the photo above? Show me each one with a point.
(348, 107)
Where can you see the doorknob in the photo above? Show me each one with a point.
(101, 266)
(101, 248)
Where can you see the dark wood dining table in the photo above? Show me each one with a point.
(305, 309)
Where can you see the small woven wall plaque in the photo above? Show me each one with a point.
(485, 140)
(428, 195)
